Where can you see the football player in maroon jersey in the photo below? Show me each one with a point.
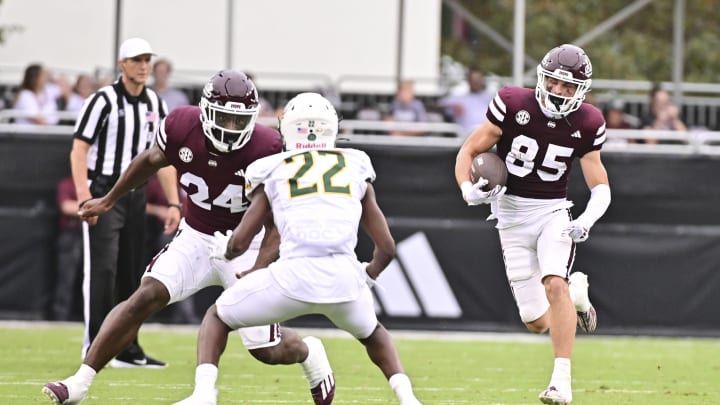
(539, 133)
(318, 195)
(210, 147)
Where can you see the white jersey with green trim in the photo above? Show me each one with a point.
(315, 197)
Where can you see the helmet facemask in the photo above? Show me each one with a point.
(567, 63)
(229, 107)
(555, 105)
(309, 121)
(228, 127)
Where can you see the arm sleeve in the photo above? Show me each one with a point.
(596, 206)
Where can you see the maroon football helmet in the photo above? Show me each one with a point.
(568, 63)
(230, 106)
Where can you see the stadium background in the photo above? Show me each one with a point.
(653, 258)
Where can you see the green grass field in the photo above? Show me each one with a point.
(446, 369)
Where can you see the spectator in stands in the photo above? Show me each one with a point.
(82, 89)
(103, 81)
(616, 118)
(63, 90)
(368, 111)
(663, 114)
(266, 107)
(161, 84)
(33, 101)
(55, 86)
(61, 87)
(71, 99)
(468, 110)
(70, 250)
(407, 108)
(590, 99)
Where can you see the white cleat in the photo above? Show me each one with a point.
(200, 399)
(553, 396)
(586, 315)
(318, 372)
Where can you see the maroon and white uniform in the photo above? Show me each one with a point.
(215, 184)
(539, 152)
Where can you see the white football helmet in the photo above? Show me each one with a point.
(568, 63)
(309, 121)
(229, 106)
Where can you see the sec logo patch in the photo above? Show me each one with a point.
(185, 154)
(522, 117)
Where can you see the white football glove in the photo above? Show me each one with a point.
(473, 194)
(218, 245)
(577, 232)
(368, 280)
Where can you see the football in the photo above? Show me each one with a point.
(489, 166)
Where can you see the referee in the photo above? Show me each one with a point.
(115, 124)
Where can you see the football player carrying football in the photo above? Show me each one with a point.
(318, 196)
(210, 147)
(539, 133)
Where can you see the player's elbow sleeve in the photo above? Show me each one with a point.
(599, 202)
(602, 194)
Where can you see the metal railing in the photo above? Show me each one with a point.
(441, 134)
(9, 115)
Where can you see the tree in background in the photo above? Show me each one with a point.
(639, 48)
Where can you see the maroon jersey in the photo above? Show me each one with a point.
(214, 182)
(538, 150)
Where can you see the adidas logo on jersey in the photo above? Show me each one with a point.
(240, 173)
(575, 134)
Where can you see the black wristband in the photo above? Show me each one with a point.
(178, 206)
(83, 202)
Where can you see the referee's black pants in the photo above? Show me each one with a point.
(114, 261)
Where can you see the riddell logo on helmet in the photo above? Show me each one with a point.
(300, 145)
(563, 73)
(235, 106)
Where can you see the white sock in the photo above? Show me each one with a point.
(578, 295)
(85, 374)
(561, 374)
(205, 378)
(401, 386)
(581, 304)
(315, 366)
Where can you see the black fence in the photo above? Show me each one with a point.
(653, 260)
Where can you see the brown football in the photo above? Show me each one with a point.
(489, 166)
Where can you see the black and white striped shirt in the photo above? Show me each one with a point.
(118, 126)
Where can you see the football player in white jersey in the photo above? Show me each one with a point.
(317, 195)
(539, 133)
(210, 146)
